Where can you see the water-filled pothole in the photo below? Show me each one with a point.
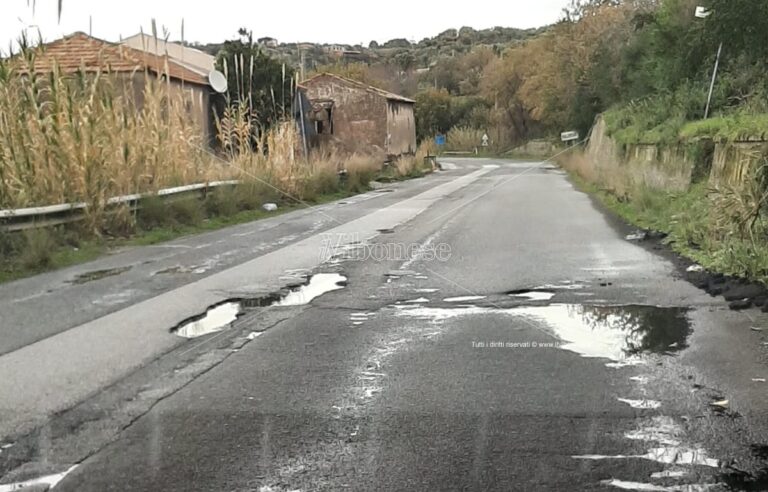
(614, 332)
(215, 319)
(318, 285)
(617, 333)
(222, 315)
(532, 294)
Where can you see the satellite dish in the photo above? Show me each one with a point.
(217, 81)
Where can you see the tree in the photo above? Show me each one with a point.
(405, 60)
(255, 80)
(433, 113)
(742, 25)
(397, 43)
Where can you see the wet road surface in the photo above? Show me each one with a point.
(525, 346)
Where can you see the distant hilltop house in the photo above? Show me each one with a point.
(268, 42)
(80, 52)
(359, 116)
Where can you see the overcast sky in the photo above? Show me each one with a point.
(330, 21)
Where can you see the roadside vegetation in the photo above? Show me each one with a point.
(723, 228)
(660, 62)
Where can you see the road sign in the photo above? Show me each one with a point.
(485, 140)
(703, 12)
(440, 140)
(569, 136)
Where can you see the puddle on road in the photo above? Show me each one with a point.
(617, 333)
(221, 316)
(464, 299)
(533, 295)
(215, 319)
(47, 482)
(641, 404)
(663, 435)
(86, 277)
(318, 285)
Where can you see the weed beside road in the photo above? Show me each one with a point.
(703, 224)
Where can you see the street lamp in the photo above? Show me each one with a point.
(703, 13)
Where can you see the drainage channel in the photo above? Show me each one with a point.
(221, 316)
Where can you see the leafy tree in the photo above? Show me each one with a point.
(433, 113)
(405, 60)
(255, 80)
(397, 43)
(742, 25)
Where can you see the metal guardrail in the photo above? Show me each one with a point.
(34, 217)
(460, 152)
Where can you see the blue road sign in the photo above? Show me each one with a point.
(440, 140)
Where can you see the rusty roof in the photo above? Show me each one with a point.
(375, 90)
(80, 51)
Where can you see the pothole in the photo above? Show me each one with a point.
(614, 332)
(617, 333)
(42, 483)
(464, 299)
(318, 285)
(532, 294)
(86, 277)
(221, 316)
(215, 319)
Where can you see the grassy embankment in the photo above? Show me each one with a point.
(723, 227)
(83, 139)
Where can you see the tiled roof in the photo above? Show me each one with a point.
(375, 90)
(79, 51)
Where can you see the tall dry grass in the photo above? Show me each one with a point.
(463, 138)
(83, 137)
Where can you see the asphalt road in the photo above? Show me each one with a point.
(526, 346)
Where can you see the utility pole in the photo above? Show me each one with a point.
(703, 13)
(303, 59)
(714, 77)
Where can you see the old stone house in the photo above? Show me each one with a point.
(134, 69)
(360, 117)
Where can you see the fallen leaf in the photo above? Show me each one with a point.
(758, 380)
(755, 328)
(721, 403)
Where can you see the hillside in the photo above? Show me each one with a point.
(402, 52)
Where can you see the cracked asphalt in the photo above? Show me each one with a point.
(539, 350)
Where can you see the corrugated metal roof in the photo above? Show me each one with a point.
(80, 51)
(375, 90)
(192, 58)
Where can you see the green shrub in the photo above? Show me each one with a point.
(39, 245)
(222, 202)
(153, 213)
(186, 211)
(253, 194)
